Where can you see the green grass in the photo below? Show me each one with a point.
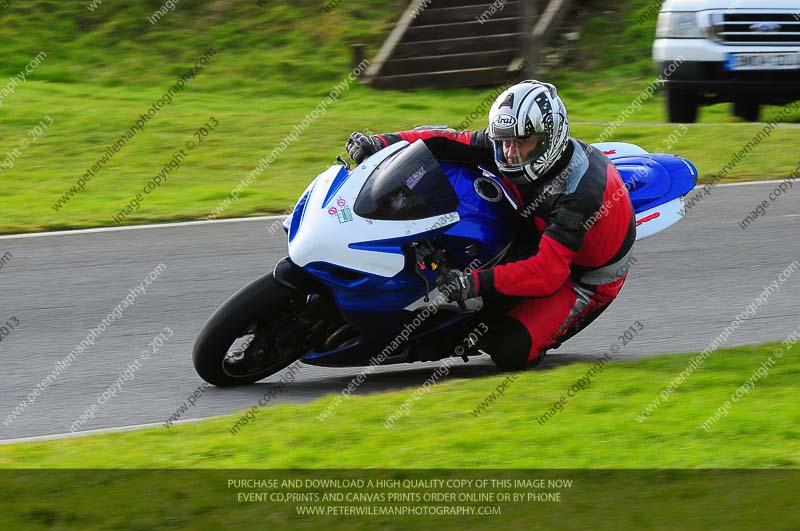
(273, 65)
(281, 48)
(87, 119)
(78, 484)
(596, 429)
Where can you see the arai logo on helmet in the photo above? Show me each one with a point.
(504, 121)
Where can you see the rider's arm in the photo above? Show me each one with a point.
(545, 272)
(448, 145)
(573, 216)
(425, 132)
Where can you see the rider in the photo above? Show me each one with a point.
(575, 216)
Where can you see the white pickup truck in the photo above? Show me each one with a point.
(742, 51)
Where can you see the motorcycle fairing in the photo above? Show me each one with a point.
(365, 261)
(352, 231)
(656, 183)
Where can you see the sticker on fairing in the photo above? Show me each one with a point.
(412, 181)
(344, 215)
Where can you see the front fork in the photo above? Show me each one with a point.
(320, 304)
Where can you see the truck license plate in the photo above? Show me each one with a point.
(763, 61)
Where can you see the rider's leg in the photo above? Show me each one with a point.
(604, 296)
(519, 339)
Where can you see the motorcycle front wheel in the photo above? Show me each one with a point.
(255, 333)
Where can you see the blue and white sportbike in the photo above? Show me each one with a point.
(366, 247)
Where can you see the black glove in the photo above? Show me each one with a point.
(457, 286)
(360, 146)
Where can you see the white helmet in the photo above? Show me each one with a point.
(529, 130)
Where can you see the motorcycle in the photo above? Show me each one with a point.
(366, 246)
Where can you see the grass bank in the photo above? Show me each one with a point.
(272, 67)
(598, 427)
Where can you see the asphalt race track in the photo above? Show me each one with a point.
(687, 284)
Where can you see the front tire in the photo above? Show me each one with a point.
(248, 311)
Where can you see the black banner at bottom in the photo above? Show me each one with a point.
(407, 499)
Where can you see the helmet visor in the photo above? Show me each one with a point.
(518, 152)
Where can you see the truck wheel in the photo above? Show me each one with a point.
(747, 111)
(682, 106)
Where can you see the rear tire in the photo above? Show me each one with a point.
(682, 106)
(259, 302)
(747, 111)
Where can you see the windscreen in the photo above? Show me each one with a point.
(408, 185)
